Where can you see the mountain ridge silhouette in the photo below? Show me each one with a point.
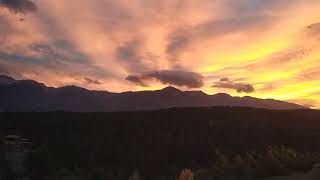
(29, 95)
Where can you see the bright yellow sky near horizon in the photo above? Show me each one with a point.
(272, 46)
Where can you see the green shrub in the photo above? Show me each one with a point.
(275, 161)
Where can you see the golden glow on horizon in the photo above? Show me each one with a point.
(250, 54)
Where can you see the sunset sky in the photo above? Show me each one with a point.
(259, 48)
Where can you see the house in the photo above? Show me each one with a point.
(17, 143)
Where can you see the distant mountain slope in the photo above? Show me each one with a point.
(28, 95)
(6, 80)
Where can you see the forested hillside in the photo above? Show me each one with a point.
(158, 142)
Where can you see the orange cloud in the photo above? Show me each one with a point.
(272, 45)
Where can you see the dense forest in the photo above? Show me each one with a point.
(159, 143)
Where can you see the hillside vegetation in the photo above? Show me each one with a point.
(215, 142)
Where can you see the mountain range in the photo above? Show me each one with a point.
(29, 95)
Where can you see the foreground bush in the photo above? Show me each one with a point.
(275, 161)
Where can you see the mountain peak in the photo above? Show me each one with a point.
(73, 88)
(170, 89)
(223, 95)
(6, 80)
(2, 76)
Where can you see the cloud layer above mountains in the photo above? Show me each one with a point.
(269, 49)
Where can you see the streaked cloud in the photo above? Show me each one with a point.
(92, 81)
(147, 44)
(136, 80)
(225, 83)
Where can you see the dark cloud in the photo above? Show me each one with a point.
(92, 81)
(19, 6)
(224, 79)
(178, 78)
(239, 87)
(136, 80)
(171, 77)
